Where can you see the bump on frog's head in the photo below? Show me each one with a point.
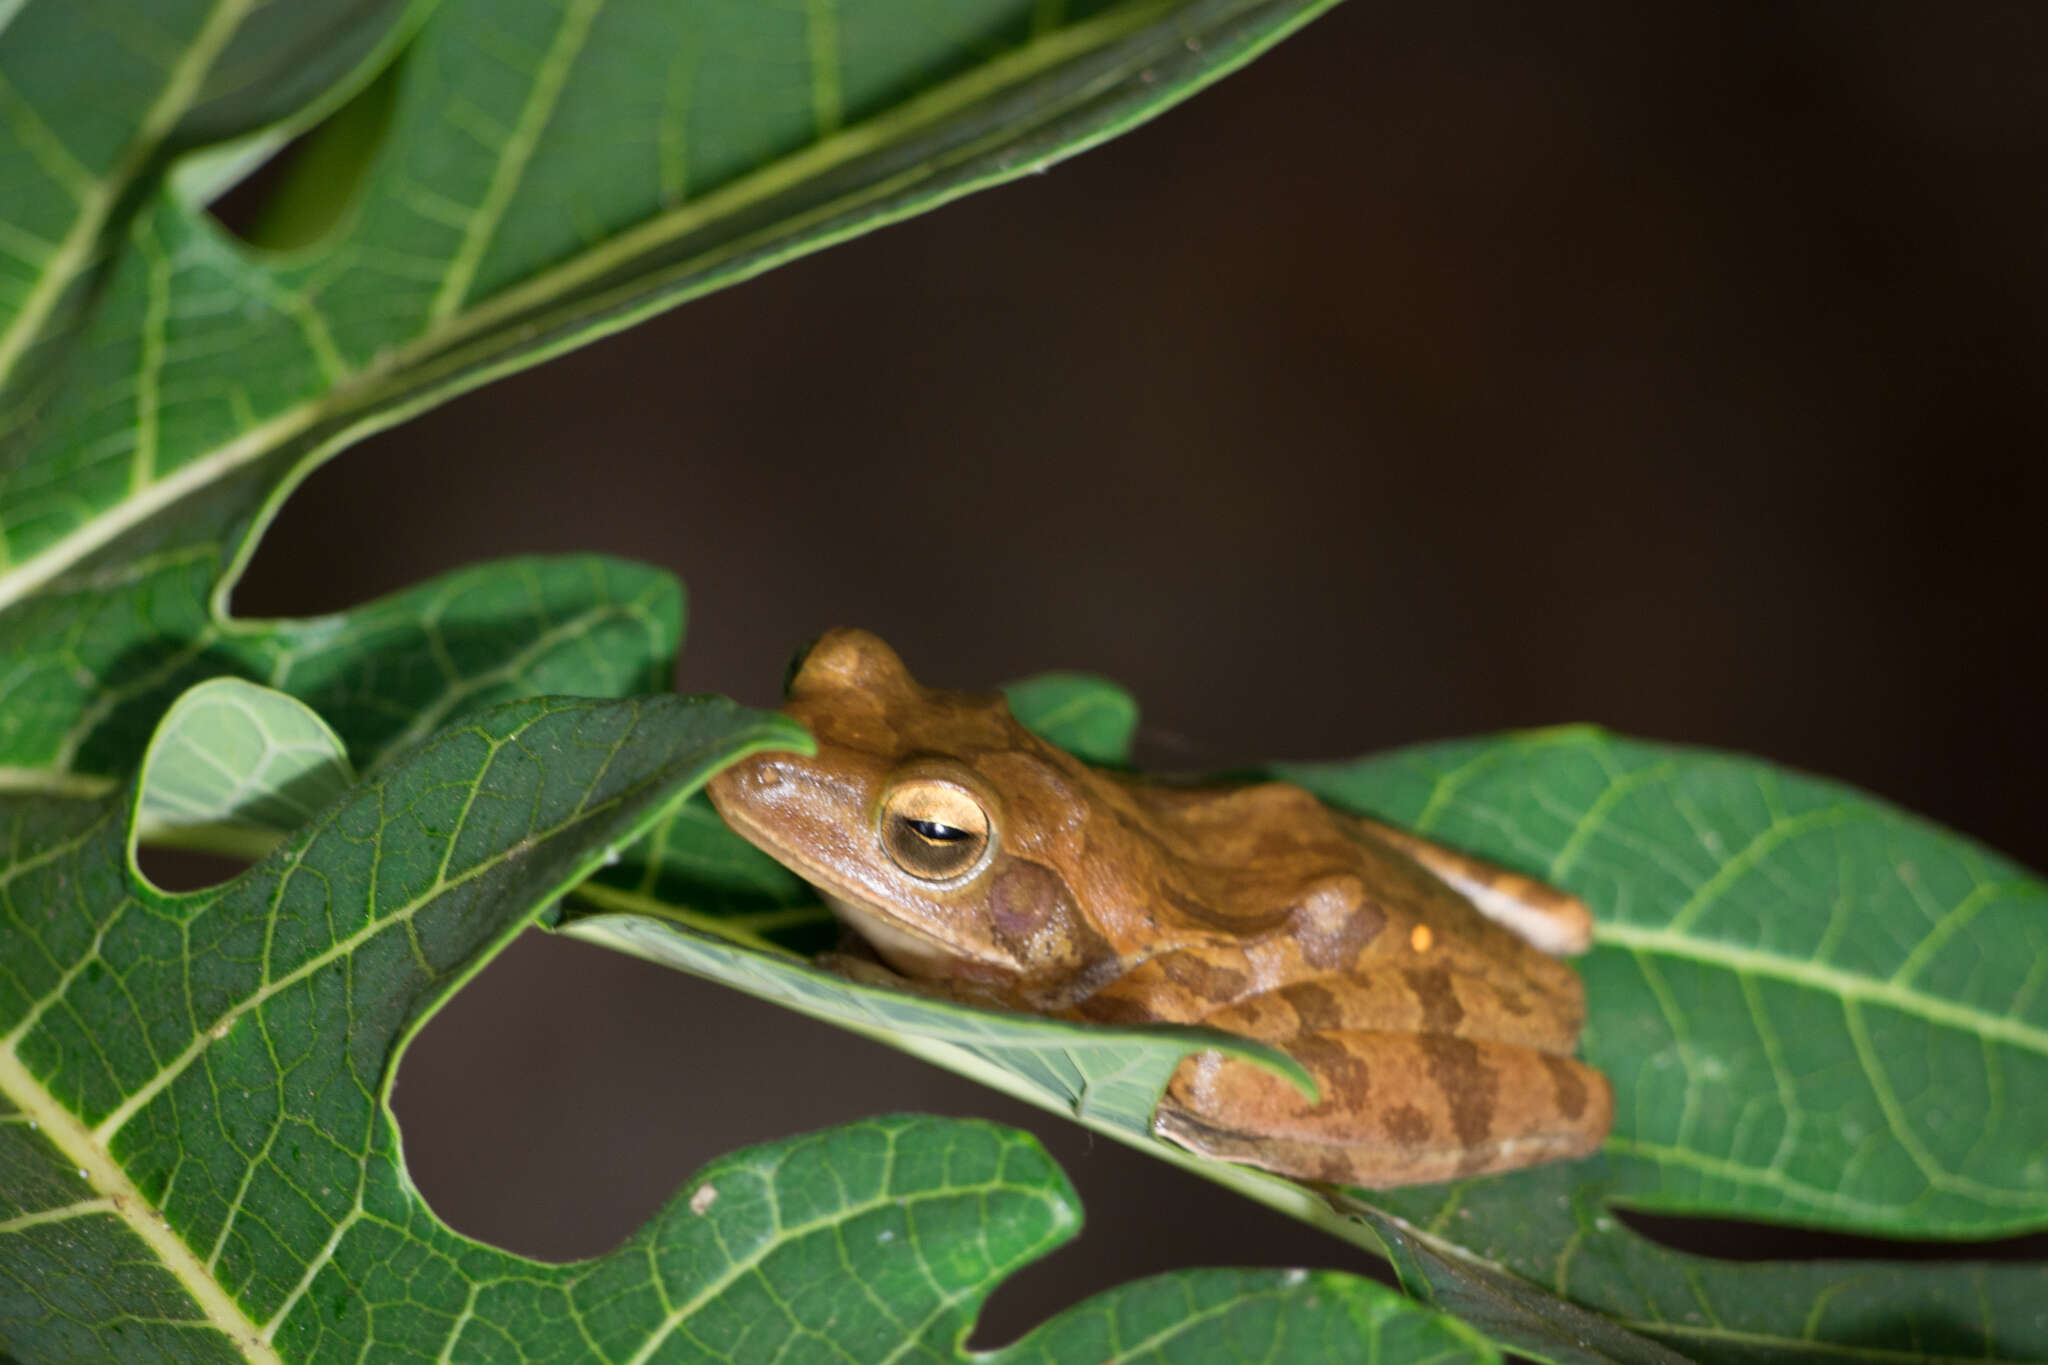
(845, 660)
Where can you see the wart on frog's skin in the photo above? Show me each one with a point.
(1415, 983)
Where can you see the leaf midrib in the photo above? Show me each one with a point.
(549, 77)
(1830, 980)
(69, 1135)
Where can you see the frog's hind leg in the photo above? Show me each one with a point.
(1541, 915)
(1397, 1109)
(1422, 998)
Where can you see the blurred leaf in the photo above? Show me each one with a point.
(102, 654)
(95, 101)
(1508, 1310)
(549, 171)
(1520, 1255)
(1091, 718)
(1277, 1317)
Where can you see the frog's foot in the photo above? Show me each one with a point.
(1397, 1109)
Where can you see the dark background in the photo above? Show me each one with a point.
(1454, 367)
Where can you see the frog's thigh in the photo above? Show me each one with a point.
(1411, 999)
(1541, 915)
(1398, 1109)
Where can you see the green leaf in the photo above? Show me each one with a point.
(1111, 1078)
(197, 1161)
(94, 100)
(1814, 1007)
(1524, 1256)
(1754, 925)
(1091, 718)
(1510, 1311)
(1249, 1315)
(549, 171)
(88, 677)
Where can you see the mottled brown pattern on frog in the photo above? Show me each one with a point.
(1408, 1125)
(1315, 1006)
(1345, 1078)
(1570, 1086)
(1207, 980)
(1437, 994)
(1248, 929)
(1115, 1009)
(1468, 1086)
(1333, 1170)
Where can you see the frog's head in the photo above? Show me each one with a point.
(942, 830)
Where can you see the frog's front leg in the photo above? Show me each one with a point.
(1397, 1108)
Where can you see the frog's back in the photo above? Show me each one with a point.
(1440, 1041)
(1304, 897)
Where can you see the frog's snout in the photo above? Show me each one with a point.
(748, 783)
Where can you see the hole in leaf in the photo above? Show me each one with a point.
(1731, 1240)
(306, 188)
(441, 496)
(179, 870)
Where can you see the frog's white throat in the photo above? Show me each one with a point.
(908, 951)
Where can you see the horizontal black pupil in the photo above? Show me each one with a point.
(936, 832)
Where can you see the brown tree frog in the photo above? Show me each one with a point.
(1416, 984)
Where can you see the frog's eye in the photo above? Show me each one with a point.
(933, 830)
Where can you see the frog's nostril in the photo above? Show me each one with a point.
(747, 778)
(763, 774)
